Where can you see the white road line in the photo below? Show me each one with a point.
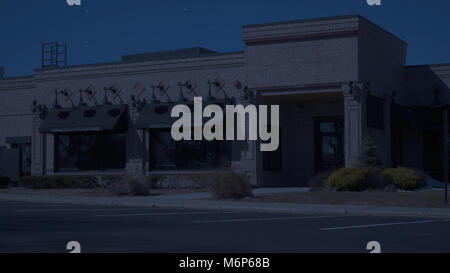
(385, 224)
(263, 219)
(63, 209)
(160, 214)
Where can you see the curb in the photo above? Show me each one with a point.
(371, 211)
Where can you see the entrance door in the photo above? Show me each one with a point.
(329, 143)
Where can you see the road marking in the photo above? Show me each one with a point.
(264, 219)
(63, 209)
(161, 214)
(385, 224)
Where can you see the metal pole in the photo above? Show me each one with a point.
(446, 153)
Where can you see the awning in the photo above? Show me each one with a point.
(18, 140)
(85, 119)
(158, 115)
(404, 117)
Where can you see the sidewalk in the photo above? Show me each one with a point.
(201, 201)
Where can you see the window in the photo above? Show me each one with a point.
(25, 157)
(375, 117)
(168, 154)
(329, 138)
(272, 161)
(90, 151)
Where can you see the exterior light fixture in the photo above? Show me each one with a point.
(181, 97)
(81, 102)
(162, 89)
(105, 99)
(55, 104)
(220, 86)
(210, 96)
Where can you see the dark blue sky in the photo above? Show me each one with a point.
(103, 30)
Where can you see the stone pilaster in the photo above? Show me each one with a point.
(355, 101)
(37, 146)
(246, 161)
(134, 164)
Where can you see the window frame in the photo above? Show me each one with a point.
(103, 155)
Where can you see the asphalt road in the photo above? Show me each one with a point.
(39, 227)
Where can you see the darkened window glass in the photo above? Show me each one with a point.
(90, 151)
(168, 154)
(375, 117)
(327, 127)
(25, 157)
(329, 147)
(115, 151)
(162, 150)
(66, 152)
(272, 161)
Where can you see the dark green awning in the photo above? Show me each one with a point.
(18, 140)
(85, 119)
(156, 115)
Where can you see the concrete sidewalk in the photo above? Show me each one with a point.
(200, 201)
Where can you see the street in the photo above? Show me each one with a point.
(45, 227)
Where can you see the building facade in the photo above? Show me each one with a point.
(336, 80)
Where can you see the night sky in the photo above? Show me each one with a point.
(103, 30)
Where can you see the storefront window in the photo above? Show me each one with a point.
(90, 151)
(25, 157)
(168, 154)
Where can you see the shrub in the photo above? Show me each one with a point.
(123, 185)
(154, 180)
(231, 185)
(200, 180)
(139, 186)
(182, 181)
(317, 181)
(368, 156)
(404, 178)
(4, 182)
(377, 180)
(347, 179)
(59, 182)
(108, 180)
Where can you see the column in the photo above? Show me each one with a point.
(244, 154)
(37, 146)
(355, 97)
(134, 164)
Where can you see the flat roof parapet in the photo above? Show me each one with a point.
(168, 55)
(308, 28)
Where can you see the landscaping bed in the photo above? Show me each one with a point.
(90, 192)
(429, 198)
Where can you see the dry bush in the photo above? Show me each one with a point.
(231, 185)
(134, 185)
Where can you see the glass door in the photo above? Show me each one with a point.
(329, 143)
